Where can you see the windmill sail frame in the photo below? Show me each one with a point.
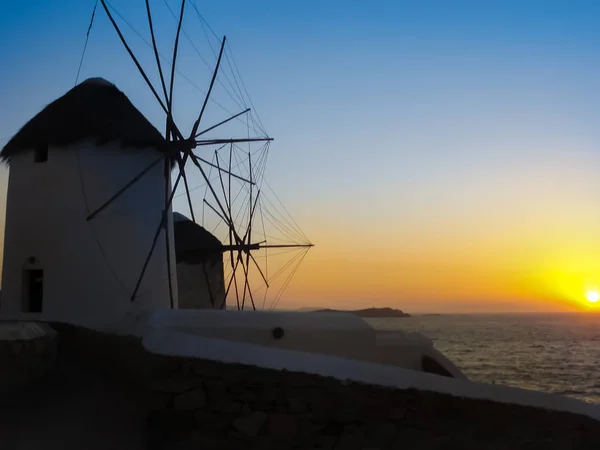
(178, 150)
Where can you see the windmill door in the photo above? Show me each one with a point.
(34, 290)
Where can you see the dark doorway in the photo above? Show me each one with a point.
(34, 290)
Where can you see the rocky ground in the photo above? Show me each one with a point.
(108, 393)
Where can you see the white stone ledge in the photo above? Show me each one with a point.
(187, 345)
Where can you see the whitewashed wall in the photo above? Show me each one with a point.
(167, 342)
(193, 286)
(90, 268)
(336, 334)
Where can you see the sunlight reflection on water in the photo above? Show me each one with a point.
(558, 353)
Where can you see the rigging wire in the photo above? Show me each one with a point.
(266, 249)
(279, 226)
(203, 184)
(289, 263)
(261, 126)
(80, 172)
(286, 210)
(281, 223)
(205, 22)
(256, 169)
(288, 280)
(169, 63)
(206, 63)
(87, 38)
(294, 234)
(239, 91)
(94, 234)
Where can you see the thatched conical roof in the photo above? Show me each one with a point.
(193, 243)
(94, 109)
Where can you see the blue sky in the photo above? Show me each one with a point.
(390, 117)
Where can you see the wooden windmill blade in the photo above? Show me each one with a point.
(178, 153)
(171, 130)
(178, 150)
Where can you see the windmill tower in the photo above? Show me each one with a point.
(200, 272)
(101, 241)
(65, 163)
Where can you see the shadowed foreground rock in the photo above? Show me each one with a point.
(27, 353)
(256, 408)
(177, 403)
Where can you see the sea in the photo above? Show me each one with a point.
(557, 353)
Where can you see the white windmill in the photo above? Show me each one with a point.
(90, 234)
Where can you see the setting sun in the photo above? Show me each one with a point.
(592, 296)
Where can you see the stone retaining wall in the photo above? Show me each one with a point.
(208, 404)
(205, 404)
(27, 353)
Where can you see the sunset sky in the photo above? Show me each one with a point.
(444, 156)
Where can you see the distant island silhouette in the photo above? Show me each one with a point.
(370, 312)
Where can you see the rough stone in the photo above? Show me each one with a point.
(247, 396)
(297, 405)
(170, 421)
(237, 389)
(191, 400)
(206, 369)
(243, 440)
(323, 442)
(212, 422)
(262, 405)
(220, 399)
(280, 407)
(379, 434)
(323, 406)
(283, 425)
(173, 385)
(186, 368)
(153, 400)
(27, 353)
(263, 378)
(351, 439)
(228, 407)
(250, 424)
(17, 347)
(203, 440)
(268, 394)
(347, 415)
(295, 379)
(348, 444)
(235, 375)
(166, 366)
(310, 426)
(397, 414)
(246, 408)
(216, 385)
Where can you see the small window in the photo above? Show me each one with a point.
(41, 154)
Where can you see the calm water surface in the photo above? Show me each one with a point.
(557, 353)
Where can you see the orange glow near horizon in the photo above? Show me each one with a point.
(529, 259)
(435, 286)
